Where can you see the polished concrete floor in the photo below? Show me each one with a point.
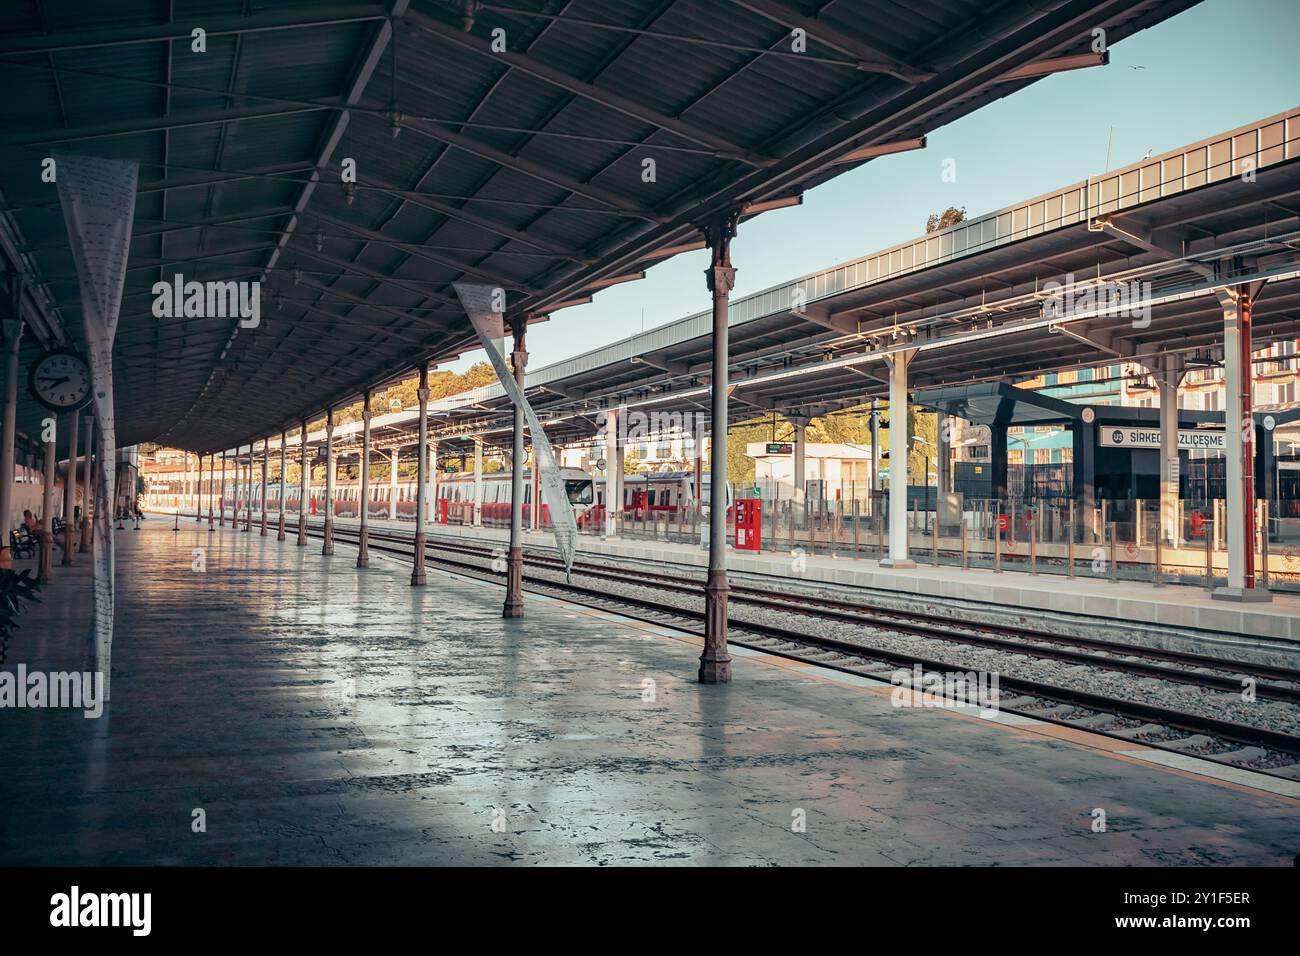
(317, 714)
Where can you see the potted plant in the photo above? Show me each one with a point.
(16, 588)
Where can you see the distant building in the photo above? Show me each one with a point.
(837, 471)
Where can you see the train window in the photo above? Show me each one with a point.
(579, 491)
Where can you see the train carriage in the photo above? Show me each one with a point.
(657, 494)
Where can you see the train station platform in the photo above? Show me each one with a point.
(307, 712)
(1275, 623)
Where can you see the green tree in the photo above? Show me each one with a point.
(920, 455)
(942, 220)
(441, 385)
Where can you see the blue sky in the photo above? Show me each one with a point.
(1221, 64)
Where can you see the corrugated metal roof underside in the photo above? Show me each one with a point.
(522, 169)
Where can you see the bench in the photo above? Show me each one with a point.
(22, 544)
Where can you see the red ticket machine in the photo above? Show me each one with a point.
(749, 524)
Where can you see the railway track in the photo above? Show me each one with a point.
(1270, 752)
(1165, 664)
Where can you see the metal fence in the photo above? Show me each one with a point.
(1119, 540)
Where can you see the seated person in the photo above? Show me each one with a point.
(30, 523)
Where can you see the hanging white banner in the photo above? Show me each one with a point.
(485, 315)
(98, 200)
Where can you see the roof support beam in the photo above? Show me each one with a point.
(422, 252)
(182, 29)
(156, 124)
(672, 368)
(1144, 240)
(881, 149)
(869, 58)
(822, 315)
(606, 98)
(179, 265)
(358, 300)
(527, 167)
(217, 177)
(391, 331)
(208, 222)
(413, 286)
(1104, 340)
(1057, 64)
(474, 219)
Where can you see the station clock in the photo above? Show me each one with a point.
(60, 380)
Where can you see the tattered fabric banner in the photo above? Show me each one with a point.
(98, 200)
(487, 321)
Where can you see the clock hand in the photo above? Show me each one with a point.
(56, 381)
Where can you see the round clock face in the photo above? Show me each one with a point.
(60, 380)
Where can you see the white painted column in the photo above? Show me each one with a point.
(478, 482)
(898, 549)
(1234, 450)
(431, 492)
(417, 567)
(266, 468)
(799, 474)
(875, 448)
(284, 461)
(620, 453)
(612, 453)
(70, 491)
(363, 499)
(535, 511)
(304, 487)
(1168, 380)
(13, 332)
(45, 555)
(392, 486)
(433, 479)
(327, 546)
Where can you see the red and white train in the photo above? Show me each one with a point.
(659, 494)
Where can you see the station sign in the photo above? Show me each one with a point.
(1117, 436)
(780, 448)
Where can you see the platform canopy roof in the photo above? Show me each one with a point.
(1000, 403)
(505, 143)
(1172, 229)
